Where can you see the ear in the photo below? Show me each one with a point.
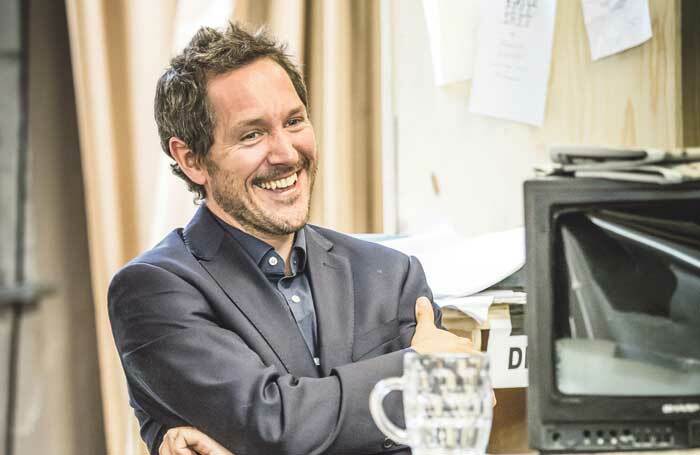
(187, 161)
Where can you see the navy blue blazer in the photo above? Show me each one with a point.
(206, 341)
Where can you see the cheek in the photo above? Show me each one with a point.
(306, 144)
(244, 165)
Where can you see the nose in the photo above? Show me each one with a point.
(282, 150)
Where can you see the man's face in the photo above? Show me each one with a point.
(262, 164)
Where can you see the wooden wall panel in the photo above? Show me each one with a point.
(628, 99)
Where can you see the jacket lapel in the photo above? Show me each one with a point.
(243, 282)
(332, 287)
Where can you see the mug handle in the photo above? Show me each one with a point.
(376, 408)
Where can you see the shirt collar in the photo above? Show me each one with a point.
(298, 256)
(259, 250)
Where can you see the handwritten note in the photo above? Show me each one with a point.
(514, 52)
(615, 25)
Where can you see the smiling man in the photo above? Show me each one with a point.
(257, 329)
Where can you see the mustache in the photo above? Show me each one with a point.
(280, 170)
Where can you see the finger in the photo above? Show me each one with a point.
(204, 445)
(185, 451)
(175, 442)
(424, 312)
(186, 440)
(167, 447)
(164, 448)
(201, 444)
(182, 446)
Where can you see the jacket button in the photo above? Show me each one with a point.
(388, 443)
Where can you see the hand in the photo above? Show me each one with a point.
(189, 441)
(429, 339)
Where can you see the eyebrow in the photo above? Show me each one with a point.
(260, 120)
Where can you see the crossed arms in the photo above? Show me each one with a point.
(185, 367)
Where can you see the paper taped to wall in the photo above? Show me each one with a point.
(452, 26)
(615, 25)
(514, 52)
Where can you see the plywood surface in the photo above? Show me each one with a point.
(628, 99)
(635, 98)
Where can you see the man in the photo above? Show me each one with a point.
(263, 332)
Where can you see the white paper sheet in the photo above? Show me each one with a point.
(477, 305)
(514, 52)
(508, 356)
(615, 25)
(452, 26)
(456, 266)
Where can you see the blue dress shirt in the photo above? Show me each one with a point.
(294, 289)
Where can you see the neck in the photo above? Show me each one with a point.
(281, 243)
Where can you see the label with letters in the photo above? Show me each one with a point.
(508, 355)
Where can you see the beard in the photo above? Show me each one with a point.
(234, 198)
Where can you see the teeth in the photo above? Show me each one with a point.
(281, 183)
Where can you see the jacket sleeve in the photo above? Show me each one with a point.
(355, 416)
(415, 285)
(184, 369)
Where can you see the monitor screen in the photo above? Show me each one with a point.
(627, 318)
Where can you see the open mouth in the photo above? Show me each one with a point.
(279, 185)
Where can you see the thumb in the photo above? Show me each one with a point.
(424, 312)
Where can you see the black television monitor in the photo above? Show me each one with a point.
(613, 317)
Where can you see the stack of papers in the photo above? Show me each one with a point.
(461, 270)
(477, 305)
(644, 165)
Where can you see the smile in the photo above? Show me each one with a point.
(279, 184)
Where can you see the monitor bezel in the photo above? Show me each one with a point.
(544, 200)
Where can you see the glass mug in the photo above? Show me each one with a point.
(447, 401)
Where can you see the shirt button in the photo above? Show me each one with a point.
(296, 298)
(272, 261)
(388, 443)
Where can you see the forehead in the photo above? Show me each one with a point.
(259, 88)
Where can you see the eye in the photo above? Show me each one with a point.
(251, 136)
(295, 121)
